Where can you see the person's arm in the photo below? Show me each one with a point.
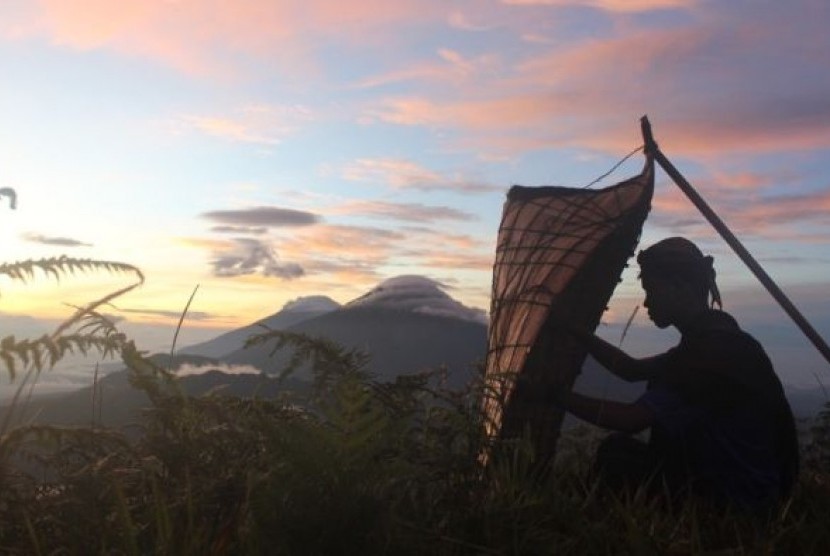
(616, 360)
(623, 417)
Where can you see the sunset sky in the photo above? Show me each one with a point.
(272, 149)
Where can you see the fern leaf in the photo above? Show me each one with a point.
(53, 349)
(8, 362)
(63, 265)
(46, 351)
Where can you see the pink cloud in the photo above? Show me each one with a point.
(457, 260)
(338, 252)
(459, 241)
(372, 245)
(713, 81)
(405, 174)
(448, 67)
(466, 22)
(609, 5)
(206, 37)
(405, 212)
(788, 210)
(255, 123)
(747, 212)
(722, 82)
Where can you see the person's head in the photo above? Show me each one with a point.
(678, 281)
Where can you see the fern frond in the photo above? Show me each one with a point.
(89, 310)
(94, 323)
(44, 352)
(63, 266)
(154, 380)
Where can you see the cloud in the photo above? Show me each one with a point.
(251, 256)
(749, 213)
(210, 38)
(711, 78)
(609, 5)
(333, 244)
(260, 124)
(786, 210)
(418, 294)
(59, 241)
(711, 83)
(362, 251)
(240, 230)
(459, 20)
(453, 260)
(343, 272)
(460, 241)
(405, 174)
(446, 67)
(272, 217)
(194, 370)
(408, 212)
(323, 255)
(365, 250)
(191, 315)
(331, 253)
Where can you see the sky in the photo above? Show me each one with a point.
(266, 150)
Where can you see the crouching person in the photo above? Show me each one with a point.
(720, 426)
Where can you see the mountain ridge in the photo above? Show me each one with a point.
(292, 312)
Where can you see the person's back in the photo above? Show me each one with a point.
(722, 425)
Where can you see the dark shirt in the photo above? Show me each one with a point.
(722, 425)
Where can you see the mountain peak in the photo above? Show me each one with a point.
(310, 304)
(417, 294)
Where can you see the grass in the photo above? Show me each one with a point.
(362, 468)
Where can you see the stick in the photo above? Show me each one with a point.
(734, 243)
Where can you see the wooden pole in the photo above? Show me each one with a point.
(808, 330)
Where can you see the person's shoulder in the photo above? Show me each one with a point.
(718, 334)
(720, 327)
(715, 320)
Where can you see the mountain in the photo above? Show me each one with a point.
(293, 312)
(405, 324)
(398, 341)
(417, 294)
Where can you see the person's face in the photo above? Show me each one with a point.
(662, 297)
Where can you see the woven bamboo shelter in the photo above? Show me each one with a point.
(560, 252)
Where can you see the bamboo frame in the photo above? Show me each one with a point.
(733, 242)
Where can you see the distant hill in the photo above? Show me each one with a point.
(121, 402)
(122, 405)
